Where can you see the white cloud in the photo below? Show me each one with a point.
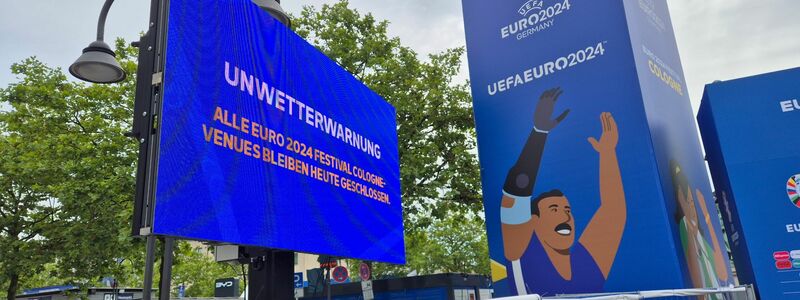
(728, 39)
(56, 31)
(428, 26)
(718, 39)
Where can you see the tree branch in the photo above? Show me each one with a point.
(77, 122)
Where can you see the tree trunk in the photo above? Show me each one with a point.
(13, 285)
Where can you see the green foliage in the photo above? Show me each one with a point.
(438, 166)
(196, 269)
(456, 244)
(67, 181)
(66, 173)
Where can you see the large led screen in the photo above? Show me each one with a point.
(265, 141)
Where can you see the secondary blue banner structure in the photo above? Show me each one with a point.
(267, 142)
(749, 128)
(593, 174)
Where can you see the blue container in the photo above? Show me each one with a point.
(749, 129)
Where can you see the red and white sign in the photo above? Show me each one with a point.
(364, 272)
(340, 274)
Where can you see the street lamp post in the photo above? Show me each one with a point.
(98, 64)
(273, 7)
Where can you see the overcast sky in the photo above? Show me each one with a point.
(718, 39)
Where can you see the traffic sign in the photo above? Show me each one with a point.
(364, 272)
(299, 293)
(366, 290)
(298, 280)
(340, 274)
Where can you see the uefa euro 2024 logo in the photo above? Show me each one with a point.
(530, 6)
(793, 189)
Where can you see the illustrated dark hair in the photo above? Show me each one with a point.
(542, 196)
(680, 184)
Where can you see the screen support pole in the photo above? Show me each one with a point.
(270, 274)
(328, 281)
(165, 286)
(149, 261)
(147, 93)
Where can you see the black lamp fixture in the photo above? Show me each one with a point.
(273, 7)
(98, 63)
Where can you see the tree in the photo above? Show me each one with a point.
(25, 216)
(65, 174)
(438, 166)
(196, 269)
(455, 244)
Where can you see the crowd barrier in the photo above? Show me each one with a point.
(734, 293)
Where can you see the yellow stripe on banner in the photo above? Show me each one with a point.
(498, 271)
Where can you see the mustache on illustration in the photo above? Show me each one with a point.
(563, 229)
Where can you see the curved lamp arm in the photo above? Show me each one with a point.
(98, 63)
(101, 23)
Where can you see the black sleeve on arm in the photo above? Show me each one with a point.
(522, 176)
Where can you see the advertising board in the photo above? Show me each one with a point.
(592, 170)
(265, 141)
(226, 287)
(749, 129)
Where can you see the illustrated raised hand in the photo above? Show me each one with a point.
(703, 208)
(720, 260)
(609, 138)
(544, 110)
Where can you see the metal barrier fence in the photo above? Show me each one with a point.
(733, 293)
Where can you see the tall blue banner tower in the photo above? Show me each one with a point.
(593, 176)
(749, 128)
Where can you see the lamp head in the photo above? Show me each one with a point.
(274, 8)
(97, 64)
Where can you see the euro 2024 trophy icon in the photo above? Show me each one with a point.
(539, 232)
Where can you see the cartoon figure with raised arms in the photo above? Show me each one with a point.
(706, 262)
(539, 233)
